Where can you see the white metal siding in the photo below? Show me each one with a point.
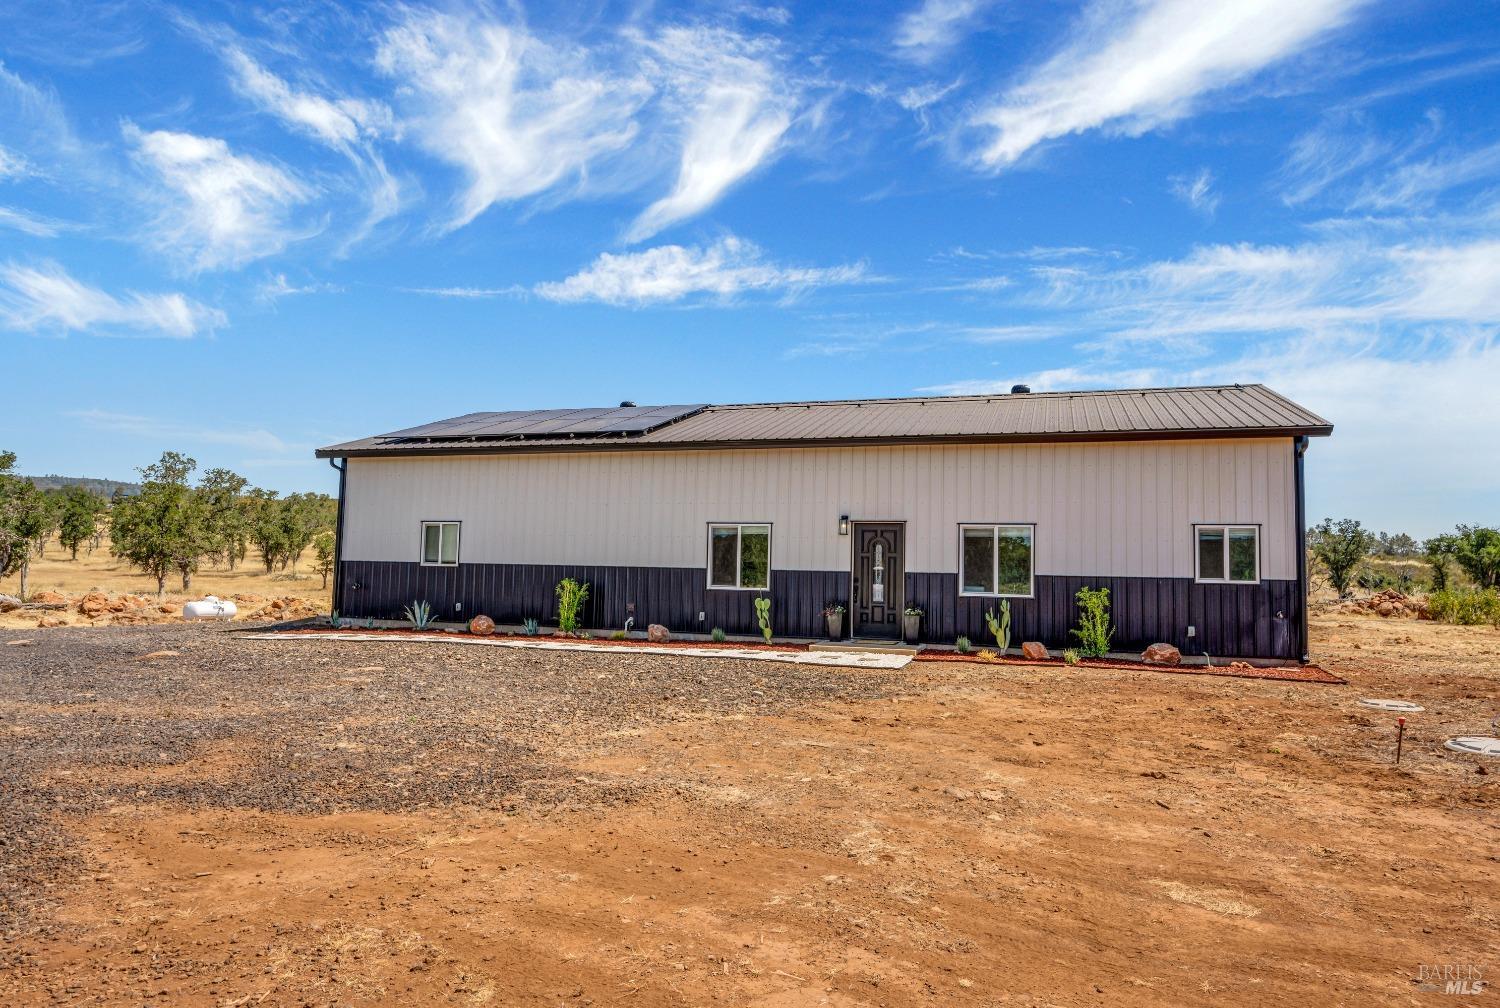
(1108, 509)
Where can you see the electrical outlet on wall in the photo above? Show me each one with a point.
(700, 617)
(1192, 631)
(458, 607)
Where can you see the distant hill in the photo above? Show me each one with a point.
(103, 487)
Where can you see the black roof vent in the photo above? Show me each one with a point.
(1020, 389)
(627, 404)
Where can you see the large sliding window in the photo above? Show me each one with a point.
(439, 544)
(739, 556)
(1228, 554)
(996, 560)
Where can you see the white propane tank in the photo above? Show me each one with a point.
(209, 608)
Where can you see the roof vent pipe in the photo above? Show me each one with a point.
(1020, 389)
(627, 404)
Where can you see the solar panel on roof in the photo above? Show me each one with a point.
(620, 420)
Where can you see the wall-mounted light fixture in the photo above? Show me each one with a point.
(843, 524)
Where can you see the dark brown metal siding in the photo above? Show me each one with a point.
(1239, 621)
(671, 596)
(1233, 621)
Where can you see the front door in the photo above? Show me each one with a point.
(879, 579)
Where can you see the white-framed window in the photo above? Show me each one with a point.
(997, 560)
(1227, 554)
(440, 544)
(739, 555)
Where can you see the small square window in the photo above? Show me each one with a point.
(996, 560)
(739, 556)
(1228, 554)
(440, 544)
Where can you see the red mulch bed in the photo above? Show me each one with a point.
(630, 643)
(1284, 673)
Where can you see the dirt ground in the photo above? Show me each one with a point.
(310, 823)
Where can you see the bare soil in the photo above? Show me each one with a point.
(347, 823)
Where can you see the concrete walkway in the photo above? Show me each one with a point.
(836, 659)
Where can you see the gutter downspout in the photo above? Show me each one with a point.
(342, 465)
(1300, 449)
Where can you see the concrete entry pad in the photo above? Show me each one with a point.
(1475, 745)
(835, 659)
(1399, 706)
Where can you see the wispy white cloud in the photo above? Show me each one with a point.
(256, 439)
(1413, 184)
(29, 223)
(471, 293)
(935, 27)
(1197, 191)
(517, 115)
(46, 299)
(346, 125)
(13, 165)
(278, 286)
(1132, 68)
(218, 208)
(736, 103)
(728, 267)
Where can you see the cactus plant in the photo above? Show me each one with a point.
(963, 645)
(763, 616)
(1000, 628)
(718, 635)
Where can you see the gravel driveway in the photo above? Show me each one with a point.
(88, 721)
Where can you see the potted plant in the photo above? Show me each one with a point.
(834, 613)
(911, 624)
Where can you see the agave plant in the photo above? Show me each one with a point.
(532, 627)
(419, 615)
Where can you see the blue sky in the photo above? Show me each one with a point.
(245, 231)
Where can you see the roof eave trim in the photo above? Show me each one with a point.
(521, 448)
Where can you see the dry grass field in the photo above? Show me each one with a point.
(306, 822)
(98, 571)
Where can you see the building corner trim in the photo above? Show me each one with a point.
(1299, 448)
(342, 465)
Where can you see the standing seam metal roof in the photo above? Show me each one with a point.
(1209, 411)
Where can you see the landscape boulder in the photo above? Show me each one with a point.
(48, 598)
(1162, 654)
(658, 634)
(9, 602)
(93, 604)
(1034, 651)
(481, 626)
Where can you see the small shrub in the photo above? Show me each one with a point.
(1070, 657)
(334, 620)
(419, 615)
(531, 627)
(1465, 608)
(618, 635)
(963, 646)
(717, 634)
(570, 599)
(987, 655)
(763, 616)
(1094, 631)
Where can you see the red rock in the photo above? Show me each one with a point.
(658, 634)
(49, 598)
(481, 625)
(1162, 654)
(93, 604)
(1034, 651)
